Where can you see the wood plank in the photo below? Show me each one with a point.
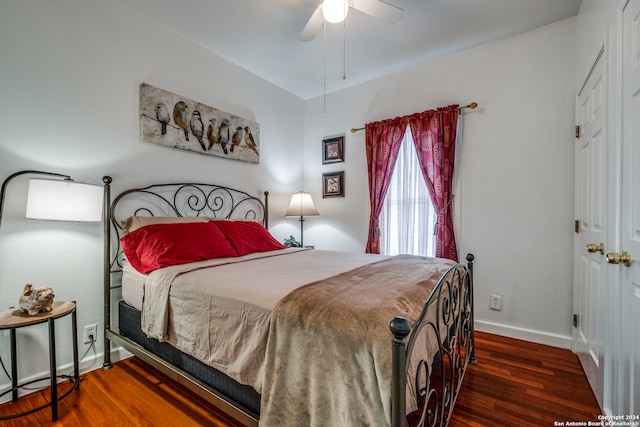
(515, 383)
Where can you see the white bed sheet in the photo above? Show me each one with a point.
(132, 286)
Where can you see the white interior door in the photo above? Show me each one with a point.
(590, 184)
(628, 389)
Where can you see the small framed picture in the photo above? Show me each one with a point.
(333, 184)
(333, 150)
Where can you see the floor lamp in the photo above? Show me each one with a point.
(58, 198)
(301, 205)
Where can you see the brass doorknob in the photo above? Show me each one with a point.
(592, 247)
(617, 258)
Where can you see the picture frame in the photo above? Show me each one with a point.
(333, 150)
(333, 184)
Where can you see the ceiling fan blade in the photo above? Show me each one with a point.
(379, 9)
(313, 25)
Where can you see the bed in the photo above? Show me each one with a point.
(281, 336)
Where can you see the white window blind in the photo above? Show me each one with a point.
(407, 222)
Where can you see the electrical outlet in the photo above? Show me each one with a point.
(495, 303)
(90, 330)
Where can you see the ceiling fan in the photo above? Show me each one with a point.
(336, 11)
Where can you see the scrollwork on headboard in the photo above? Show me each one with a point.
(187, 199)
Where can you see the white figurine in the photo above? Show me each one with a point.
(36, 300)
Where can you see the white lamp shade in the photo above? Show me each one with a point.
(301, 205)
(335, 11)
(64, 200)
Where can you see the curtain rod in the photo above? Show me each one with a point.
(472, 106)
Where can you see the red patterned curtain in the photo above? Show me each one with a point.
(383, 143)
(434, 136)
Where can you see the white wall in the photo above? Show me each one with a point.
(514, 198)
(69, 84)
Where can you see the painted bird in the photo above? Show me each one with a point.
(224, 134)
(248, 139)
(210, 136)
(197, 128)
(236, 138)
(162, 114)
(180, 117)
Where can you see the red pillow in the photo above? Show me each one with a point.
(161, 245)
(248, 236)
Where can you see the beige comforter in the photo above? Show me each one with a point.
(329, 349)
(219, 311)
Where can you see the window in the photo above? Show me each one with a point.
(408, 219)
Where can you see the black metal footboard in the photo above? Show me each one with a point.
(424, 390)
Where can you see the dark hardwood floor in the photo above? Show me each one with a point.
(515, 383)
(518, 383)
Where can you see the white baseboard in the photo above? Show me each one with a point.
(553, 340)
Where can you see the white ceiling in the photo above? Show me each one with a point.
(262, 35)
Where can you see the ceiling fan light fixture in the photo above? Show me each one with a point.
(335, 11)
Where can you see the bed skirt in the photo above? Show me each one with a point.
(243, 395)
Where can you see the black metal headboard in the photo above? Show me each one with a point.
(170, 200)
(187, 199)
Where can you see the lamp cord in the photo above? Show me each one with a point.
(68, 376)
(4, 368)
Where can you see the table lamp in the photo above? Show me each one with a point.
(301, 205)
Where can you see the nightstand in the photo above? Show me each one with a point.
(13, 319)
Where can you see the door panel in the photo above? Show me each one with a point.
(590, 173)
(628, 392)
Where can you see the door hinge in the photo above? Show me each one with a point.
(575, 320)
(576, 226)
(577, 131)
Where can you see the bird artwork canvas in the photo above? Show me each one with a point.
(175, 121)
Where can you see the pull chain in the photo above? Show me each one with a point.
(344, 49)
(324, 71)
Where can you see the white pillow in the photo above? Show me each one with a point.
(134, 222)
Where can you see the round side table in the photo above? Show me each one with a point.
(13, 319)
